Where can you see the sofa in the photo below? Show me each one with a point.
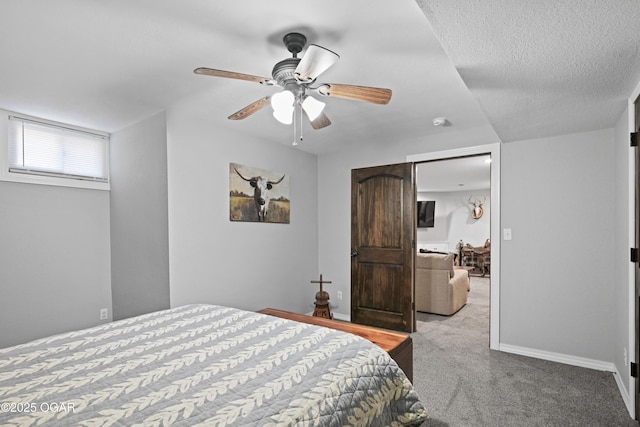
(440, 288)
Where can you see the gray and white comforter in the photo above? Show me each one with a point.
(204, 365)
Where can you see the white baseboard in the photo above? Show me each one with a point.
(340, 316)
(628, 401)
(559, 357)
(337, 316)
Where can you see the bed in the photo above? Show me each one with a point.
(204, 365)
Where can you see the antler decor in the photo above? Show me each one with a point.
(477, 211)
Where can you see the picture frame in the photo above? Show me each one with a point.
(258, 195)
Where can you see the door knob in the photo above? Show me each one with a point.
(354, 254)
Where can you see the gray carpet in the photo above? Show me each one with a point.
(463, 383)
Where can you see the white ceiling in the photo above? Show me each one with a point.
(459, 174)
(527, 69)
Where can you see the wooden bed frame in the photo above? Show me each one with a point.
(398, 345)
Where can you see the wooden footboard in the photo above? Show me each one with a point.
(398, 345)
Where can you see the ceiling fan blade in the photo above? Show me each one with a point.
(315, 61)
(250, 109)
(357, 93)
(231, 75)
(322, 121)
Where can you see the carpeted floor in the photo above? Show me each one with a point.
(463, 383)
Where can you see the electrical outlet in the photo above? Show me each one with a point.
(104, 313)
(339, 295)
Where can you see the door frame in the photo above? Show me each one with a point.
(632, 400)
(634, 309)
(496, 238)
(636, 295)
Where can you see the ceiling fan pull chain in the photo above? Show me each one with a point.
(300, 115)
(295, 142)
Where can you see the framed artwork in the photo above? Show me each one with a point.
(258, 195)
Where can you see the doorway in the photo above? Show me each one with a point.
(493, 150)
(459, 191)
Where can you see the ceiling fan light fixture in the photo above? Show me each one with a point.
(283, 116)
(315, 61)
(282, 104)
(313, 107)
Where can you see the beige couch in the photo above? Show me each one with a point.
(440, 289)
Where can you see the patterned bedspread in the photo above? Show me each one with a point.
(204, 365)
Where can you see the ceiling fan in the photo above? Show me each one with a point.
(297, 76)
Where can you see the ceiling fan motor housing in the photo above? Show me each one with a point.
(283, 73)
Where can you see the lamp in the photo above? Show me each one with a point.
(312, 107)
(282, 103)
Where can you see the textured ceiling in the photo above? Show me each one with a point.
(543, 67)
(525, 69)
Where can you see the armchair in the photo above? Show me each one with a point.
(440, 289)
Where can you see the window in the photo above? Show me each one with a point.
(52, 153)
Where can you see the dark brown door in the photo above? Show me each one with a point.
(382, 246)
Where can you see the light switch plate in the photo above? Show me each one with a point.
(506, 234)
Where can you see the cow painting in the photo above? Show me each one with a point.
(260, 198)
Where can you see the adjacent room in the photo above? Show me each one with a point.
(174, 176)
(453, 232)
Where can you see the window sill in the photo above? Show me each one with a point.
(7, 176)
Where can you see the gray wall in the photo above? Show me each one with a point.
(56, 265)
(241, 264)
(139, 223)
(54, 260)
(557, 272)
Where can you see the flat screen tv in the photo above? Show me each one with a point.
(426, 213)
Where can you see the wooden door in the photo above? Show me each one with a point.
(383, 231)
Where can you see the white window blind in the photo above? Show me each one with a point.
(40, 148)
